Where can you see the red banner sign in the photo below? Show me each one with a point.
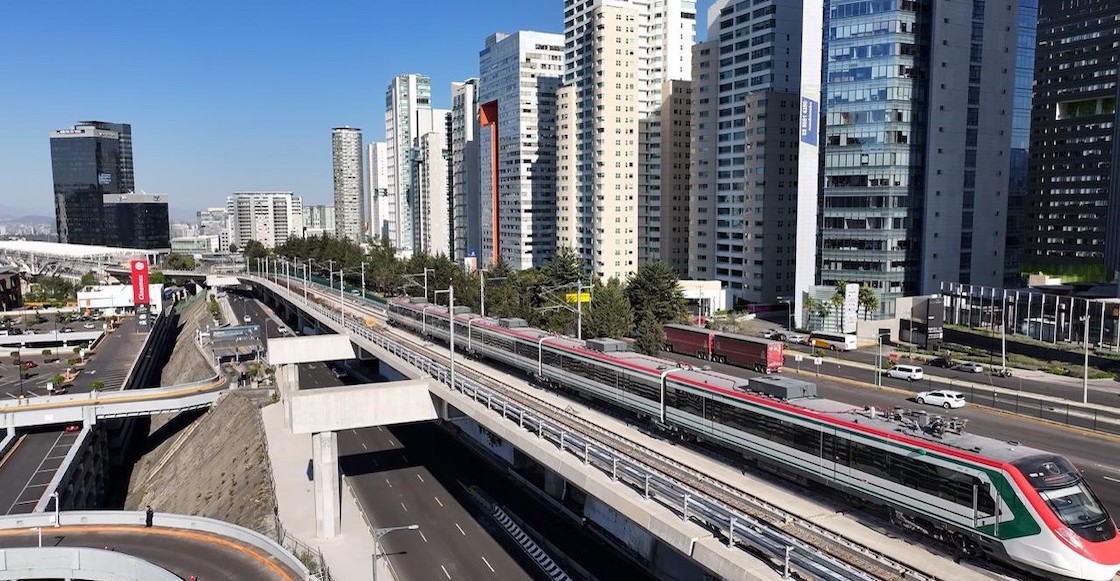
(140, 282)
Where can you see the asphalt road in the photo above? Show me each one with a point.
(113, 359)
(1097, 456)
(1103, 392)
(182, 553)
(29, 467)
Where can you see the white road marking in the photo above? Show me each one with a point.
(1109, 478)
(460, 529)
(404, 507)
(438, 502)
(364, 446)
(488, 564)
(445, 571)
(420, 477)
(391, 442)
(422, 536)
(353, 431)
(403, 457)
(389, 483)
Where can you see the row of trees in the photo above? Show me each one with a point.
(867, 300)
(632, 309)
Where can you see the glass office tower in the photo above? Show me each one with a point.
(89, 160)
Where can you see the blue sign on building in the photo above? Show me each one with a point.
(810, 121)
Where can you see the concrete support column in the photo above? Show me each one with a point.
(287, 382)
(324, 465)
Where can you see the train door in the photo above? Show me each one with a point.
(835, 451)
(986, 503)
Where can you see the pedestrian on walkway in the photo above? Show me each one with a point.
(148, 516)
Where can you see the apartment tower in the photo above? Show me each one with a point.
(618, 57)
(346, 159)
(745, 129)
(519, 76)
(377, 173)
(408, 115)
(463, 165)
(267, 217)
(1073, 199)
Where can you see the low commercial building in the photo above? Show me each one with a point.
(195, 245)
(116, 298)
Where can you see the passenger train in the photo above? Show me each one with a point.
(1017, 504)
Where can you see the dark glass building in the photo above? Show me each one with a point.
(136, 221)
(93, 184)
(1073, 198)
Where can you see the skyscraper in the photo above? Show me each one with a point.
(346, 158)
(519, 76)
(377, 172)
(618, 56)
(136, 221)
(916, 145)
(1073, 198)
(463, 165)
(267, 217)
(89, 160)
(408, 115)
(432, 208)
(745, 124)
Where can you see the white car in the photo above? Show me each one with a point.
(282, 330)
(943, 398)
(89, 326)
(771, 333)
(248, 319)
(795, 338)
(969, 367)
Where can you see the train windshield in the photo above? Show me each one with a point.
(1075, 505)
(1060, 484)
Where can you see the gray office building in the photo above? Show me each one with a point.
(918, 101)
(88, 161)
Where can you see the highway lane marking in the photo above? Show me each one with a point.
(391, 442)
(1109, 478)
(364, 447)
(403, 457)
(389, 483)
(37, 468)
(488, 564)
(422, 536)
(420, 477)
(404, 507)
(445, 571)
(464, 533)
(441, 504)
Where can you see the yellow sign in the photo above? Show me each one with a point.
(371, 322)
(584, 297)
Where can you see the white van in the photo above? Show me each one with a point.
(907, 372)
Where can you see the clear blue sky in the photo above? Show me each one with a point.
(228, 95)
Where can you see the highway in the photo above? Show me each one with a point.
(1102, 392)
(183, 553)
(29, 466)
(113, 358)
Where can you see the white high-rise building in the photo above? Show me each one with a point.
(620, 55)
(432, 212)
(520, 74)
(408, 115)
(465, 211)
(212, 222)
(318, 221)
(267, 217)
(346, 158)
(377, 174)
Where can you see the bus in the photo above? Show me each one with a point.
(832, 341)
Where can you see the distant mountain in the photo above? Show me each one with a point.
(8, 213)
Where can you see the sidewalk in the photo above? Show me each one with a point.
(349, 555)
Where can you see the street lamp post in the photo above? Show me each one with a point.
(451, 327)
(377, 534)
(1085, 377)
(789, 311)
(341, 297)
(54, 495)
(482, 290)
(879, 360)
(363, 280)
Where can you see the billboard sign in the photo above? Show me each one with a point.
(851, 308)
(140, 294)
(572, 298)
(809, 121)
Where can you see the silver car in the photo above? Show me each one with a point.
(942, 398)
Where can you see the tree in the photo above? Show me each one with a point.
(609, 313)
(88, 279)
(232, 247)
(655, 289)
(157, 277)
(868, 300)
(254, 250)
(175, 261)
(650, 336)
(564, 267)
(97, 385)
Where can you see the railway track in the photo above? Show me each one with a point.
(871, 563)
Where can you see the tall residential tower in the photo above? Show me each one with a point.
(346, 159)
(408, 115)
(463, 165)
(520, 74)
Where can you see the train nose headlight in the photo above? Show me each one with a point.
(1071, 538)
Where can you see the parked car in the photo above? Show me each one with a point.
(282, 330)
(66, 330)
(771, 333)
(355, 292)
(944, 398)
(29, 364)
(907, 372)
(89, 326)
(73, 428)
(969, 367)
(31, 332)
(15, 331)
(1001, 372)
(940, 362)
(248, 319)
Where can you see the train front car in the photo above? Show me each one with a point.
(1078, 539)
